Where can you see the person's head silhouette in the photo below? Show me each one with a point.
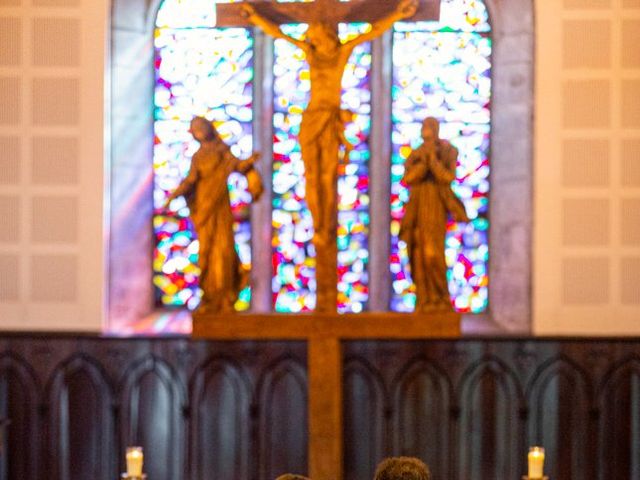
(402, 468)
(292, 476)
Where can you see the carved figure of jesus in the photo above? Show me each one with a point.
(322, 128)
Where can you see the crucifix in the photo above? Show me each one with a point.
(324, 330)
(321, 134)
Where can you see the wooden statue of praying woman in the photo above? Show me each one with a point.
(322, 128)
(207, 195)
(429, 171)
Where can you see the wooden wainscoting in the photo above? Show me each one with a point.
(238, 410)
(201, 410)
(471, 408)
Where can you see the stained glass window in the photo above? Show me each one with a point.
(442, 69)
(293, 254)
(200, 70)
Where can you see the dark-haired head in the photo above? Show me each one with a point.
(402, 468)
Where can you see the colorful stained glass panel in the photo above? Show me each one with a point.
(442, 69)
(293, 253)
(207, 72)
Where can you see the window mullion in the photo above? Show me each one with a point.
(380, 168)
(261, 271)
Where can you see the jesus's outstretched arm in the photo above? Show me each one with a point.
(268, 27)
(405, 9)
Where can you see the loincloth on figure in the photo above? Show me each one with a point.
(318, 122)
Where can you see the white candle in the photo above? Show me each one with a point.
(134, 461)
(536, 462)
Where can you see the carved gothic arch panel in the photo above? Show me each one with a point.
(281, 408)
(560, 398)
(491, 430)
(619, 403)
(366, 419)
(19, 396)
(220, 420)
(151, 391)
(423, 399)
(80, 421)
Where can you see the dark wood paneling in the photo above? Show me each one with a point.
(619, 402)
(364, 419)
(18, 396)
(283, 420)
(153, 405)
(221, 401)
(200, 409)
(471, 408)
(562, 420)
(491, 439)
(238, 410)
(422, 402)
(80, 438)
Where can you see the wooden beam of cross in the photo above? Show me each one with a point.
(332, 11)
(324, 334)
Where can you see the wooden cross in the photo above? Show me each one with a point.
(334, 11)
(324, 333)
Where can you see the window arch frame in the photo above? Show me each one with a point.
(129, 169)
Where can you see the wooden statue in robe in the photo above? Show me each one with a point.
(429, 171)
(322, 130)
(205, 189)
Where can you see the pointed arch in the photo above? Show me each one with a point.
(422, 401)
(220, 412)
(282, 400)
(152, 390)
(19, 396)
(560, 397)
(80, 420)
(619, 404)
(365, 420)
(28, 377)
(132, 93)
(490, 432)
